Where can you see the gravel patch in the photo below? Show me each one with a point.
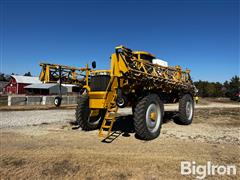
(37, 117)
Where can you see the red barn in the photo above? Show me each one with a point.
(17, 84)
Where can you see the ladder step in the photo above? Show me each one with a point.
(104, 133)
(109, 118)
(105, 126)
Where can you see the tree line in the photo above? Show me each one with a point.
(205, 88)
(6, 77)
(217, 89)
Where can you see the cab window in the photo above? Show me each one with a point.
(135, 55)
(146, 57)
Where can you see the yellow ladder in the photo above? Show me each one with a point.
(110, 118)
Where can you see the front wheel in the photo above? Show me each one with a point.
(148, 117)
(86, 118)
(122, 101)
(186, 109)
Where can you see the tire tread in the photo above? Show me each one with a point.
(182, 110)
(140, 119)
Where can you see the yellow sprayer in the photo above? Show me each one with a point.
(135, 79)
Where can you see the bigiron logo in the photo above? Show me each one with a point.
(202, 171)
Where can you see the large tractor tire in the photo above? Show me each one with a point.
(83, 118)
(148, 117)
(186, 109)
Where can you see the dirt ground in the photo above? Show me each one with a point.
(56, 151)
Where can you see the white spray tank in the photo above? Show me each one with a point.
(160, 62)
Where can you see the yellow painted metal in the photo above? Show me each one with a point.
(118, 66)
(95, 72)
(94, 112)
(87, 75)
(153, 116)
(97, 103)
(138, 54)
(143, 52)
(97, 99)
(97, 94)
(51, 73)
(109, 118)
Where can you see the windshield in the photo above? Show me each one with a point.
(146, 57)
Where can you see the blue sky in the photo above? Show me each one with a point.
(200, 35)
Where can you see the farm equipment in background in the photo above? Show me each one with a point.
(145, 86)
(61, 74)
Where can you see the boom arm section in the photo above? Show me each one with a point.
(54, 73)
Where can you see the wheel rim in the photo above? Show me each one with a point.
(153, 117)
(189, 110)
(56, 101)
(95, 119)
(120, 101)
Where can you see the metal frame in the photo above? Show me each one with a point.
(54, 73)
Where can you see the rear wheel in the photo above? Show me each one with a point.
(57, 101)
(86, 118)
(186, 109)
(148, 117)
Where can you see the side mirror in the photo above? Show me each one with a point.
(94, 65)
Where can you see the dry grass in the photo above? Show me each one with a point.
(55, 151)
